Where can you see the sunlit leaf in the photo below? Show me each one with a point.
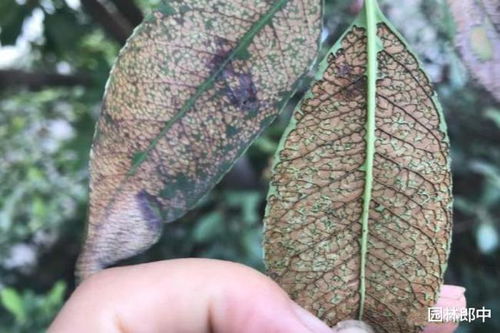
(478, 37)
(196, 83)
(358, 220)
(207, 227)
(12, 302)
(56, 295)
(494, 115)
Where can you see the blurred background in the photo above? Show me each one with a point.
(55, 56)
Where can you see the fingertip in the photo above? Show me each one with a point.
(352, 326)
(452, 298)
(452, 292)
(311, 322)
(441, 328)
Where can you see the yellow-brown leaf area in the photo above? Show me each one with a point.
(313, 222)
(312, 225)
(160, 69)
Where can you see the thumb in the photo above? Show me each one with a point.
(186, 295)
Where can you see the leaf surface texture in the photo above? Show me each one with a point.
(314, 243)
(195, 84)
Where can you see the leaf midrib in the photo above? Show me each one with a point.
(371, 73)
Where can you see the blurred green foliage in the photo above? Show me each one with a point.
(29, 312)
(46, 136)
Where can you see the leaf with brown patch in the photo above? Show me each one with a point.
(478, 38)
(196, 83)
(358, 222)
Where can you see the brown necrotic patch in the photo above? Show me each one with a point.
(313, 219)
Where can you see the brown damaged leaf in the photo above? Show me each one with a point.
(313, 219)
(193, 87)
(478, 38)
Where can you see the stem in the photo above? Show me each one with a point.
(371, 73)
(112, 23)
(39, 80)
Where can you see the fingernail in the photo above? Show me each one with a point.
(313, 323)
(352, 326)
(453, 292)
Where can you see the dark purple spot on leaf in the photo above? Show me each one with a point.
(244, 94)
(150, 209)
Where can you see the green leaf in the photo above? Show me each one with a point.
(478, 38)
(57, 39)
(208, 227)
(196, 83)
(248, 202)
(12, 16)
(494, 115)
(13, 303)
(55, 296)
(358, 221)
